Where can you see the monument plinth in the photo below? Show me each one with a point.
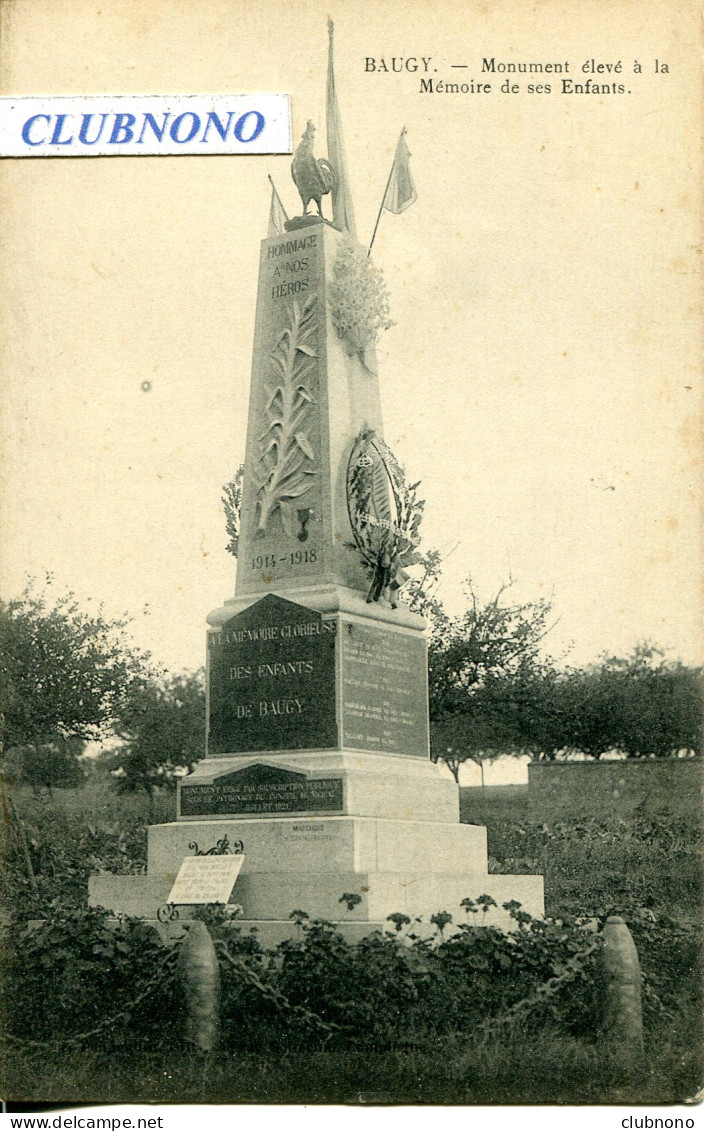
(317, 756)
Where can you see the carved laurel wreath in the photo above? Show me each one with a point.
(285, 468)
(385, 514)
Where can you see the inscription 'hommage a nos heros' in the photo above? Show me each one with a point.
(272, 680)
(291, 266)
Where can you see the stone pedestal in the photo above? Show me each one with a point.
(317, 735)
(395, 840)
(321, 783)
(415, 867)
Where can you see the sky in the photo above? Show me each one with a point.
(542, 376)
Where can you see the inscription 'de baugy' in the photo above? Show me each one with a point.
(272, 680)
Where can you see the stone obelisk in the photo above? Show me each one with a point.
(302, 666)
(317, 755)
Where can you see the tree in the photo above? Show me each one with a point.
(475, 736)
(162, 726)
(420, 593)
(64, 673)
(55, 764)
(484, 671)
(643, 705)
(592, 705)
(512, 712)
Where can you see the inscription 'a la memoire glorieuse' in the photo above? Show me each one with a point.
(272, 680)
(271, 632)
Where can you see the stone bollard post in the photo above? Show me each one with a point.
(199, 978)
(623, 1014)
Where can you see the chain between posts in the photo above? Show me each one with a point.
(275, 996)
(573, 967)
(279, 1000)
(155, 982)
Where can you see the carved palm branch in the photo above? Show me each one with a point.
(285, 465)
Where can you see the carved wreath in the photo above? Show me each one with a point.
(385, 514)
(285, 468)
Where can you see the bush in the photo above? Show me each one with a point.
(645, 867)
(65, 847)
(52, 765)
(72, 973)
(317, 1018)
(78, 978)
(394, 989)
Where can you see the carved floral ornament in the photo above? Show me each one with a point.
(385, 515)
(359, 299)
(286, 468)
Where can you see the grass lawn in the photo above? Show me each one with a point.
(525, 1068)
(599, 857)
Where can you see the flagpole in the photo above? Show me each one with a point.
(391, 173)
(277, 196)
(342, 207)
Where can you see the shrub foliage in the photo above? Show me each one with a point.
(77, 976)
(72, 977)
(75, 973)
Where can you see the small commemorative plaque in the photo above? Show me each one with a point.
(262, 789)
(206, 879)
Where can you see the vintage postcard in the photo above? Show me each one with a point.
(351, 491)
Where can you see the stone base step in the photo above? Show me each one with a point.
(369, 785)
(266, 897)
(293, 845)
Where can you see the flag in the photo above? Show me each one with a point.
(342, 209)
(277, 213)
(400, 191)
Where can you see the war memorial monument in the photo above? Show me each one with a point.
(317, 772)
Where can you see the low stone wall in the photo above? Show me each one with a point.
(493, 792)
(629, 782)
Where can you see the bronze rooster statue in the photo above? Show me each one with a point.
(313, 177)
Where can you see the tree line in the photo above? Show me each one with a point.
(70, 676)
